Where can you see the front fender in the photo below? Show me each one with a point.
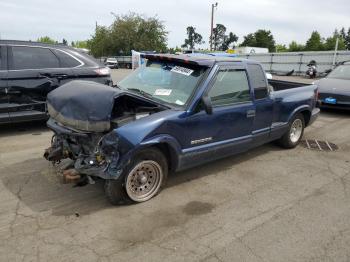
(168, 143)
(172, 145)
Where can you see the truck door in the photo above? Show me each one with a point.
(229, 128)
(263, 104)
(4, 115)
(33, 72)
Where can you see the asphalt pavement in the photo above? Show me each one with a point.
(268, 204)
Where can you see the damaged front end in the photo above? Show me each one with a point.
(84, 117)
(94, 154)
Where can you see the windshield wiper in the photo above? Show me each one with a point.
(141, 92)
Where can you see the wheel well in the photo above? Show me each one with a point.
(169, 153)
(307, 115)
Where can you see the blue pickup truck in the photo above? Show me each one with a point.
(173, 113)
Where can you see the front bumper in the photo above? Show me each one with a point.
(93, 154)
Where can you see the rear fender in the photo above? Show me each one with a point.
(299, 110)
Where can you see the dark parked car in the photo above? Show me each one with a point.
(29, 71)
(334, 89)
(171, 114)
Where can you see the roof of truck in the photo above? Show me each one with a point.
(201, 60)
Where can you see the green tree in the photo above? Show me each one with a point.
(249, 40)
(229, 39)
(136, 32)
(331, 41)
(281, 48)
(100, 44)
(129, 32)
(172, 50)
(347, 40)
(218, 36)
(193, 38)
(221, 41)
(64, 42)
(315, 42)
(295, 47)
(343, 33)
(80, 44)
(46, 39)
(261, 38)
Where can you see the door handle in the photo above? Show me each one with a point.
(250, 113)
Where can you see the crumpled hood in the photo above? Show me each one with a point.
(334, 86)
(83, 105)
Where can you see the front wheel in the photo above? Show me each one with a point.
(294, 134)
(141, 180)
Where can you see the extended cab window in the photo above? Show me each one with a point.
(258, 81)
(230, 87)
(24, 57)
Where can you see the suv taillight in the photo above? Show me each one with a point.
(104, 71)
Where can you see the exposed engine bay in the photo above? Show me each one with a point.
(84, 125)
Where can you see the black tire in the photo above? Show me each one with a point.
(115, 193)
(286, 140)
(116, 190)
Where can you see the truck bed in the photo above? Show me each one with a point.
(279, 85)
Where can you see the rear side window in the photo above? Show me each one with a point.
(230, 87)
(24, 57)
(66, 60)
(0, 58)
(258, 81)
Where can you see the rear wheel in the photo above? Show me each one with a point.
(142, 179)
(294, 134)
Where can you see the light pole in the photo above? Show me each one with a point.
(212, 24)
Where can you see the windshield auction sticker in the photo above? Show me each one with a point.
(163, 92)
(182, 70)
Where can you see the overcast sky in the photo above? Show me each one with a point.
(75, 19)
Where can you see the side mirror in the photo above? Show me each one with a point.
(208, 107)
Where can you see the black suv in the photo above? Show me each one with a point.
(30, 70)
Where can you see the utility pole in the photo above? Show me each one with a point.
(212, 24)
(335, 51)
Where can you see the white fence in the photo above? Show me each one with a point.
(285, 62)
(297, 61)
